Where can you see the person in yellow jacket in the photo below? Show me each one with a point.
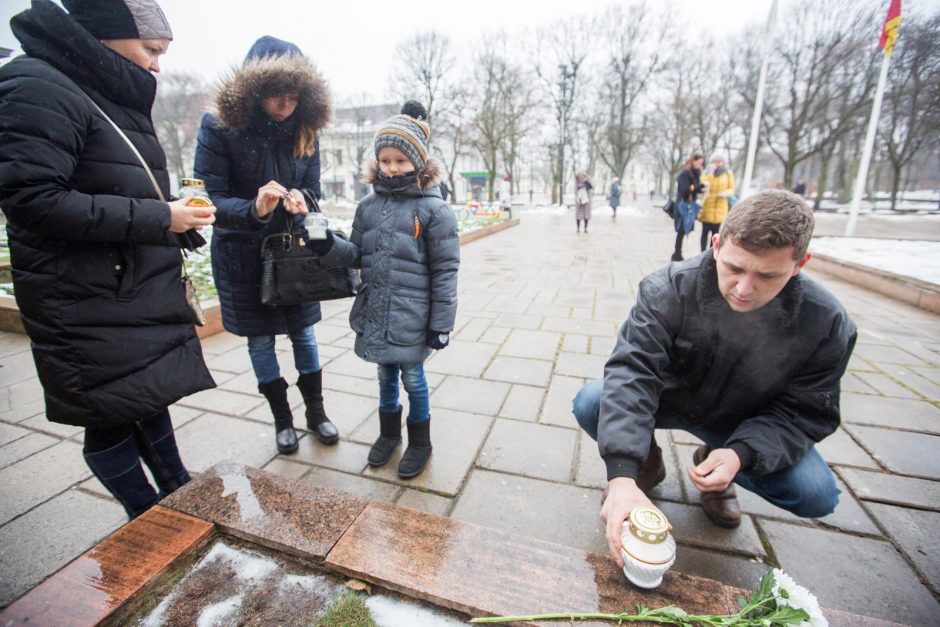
(719, 181)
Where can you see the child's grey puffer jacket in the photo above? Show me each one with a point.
(404, 239)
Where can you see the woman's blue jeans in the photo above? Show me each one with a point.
(416, 385)
(807, 488)
(264, 357)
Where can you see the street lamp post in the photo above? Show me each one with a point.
(566, 85)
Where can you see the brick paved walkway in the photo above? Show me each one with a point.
(539, 309)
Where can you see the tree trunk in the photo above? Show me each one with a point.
(895, 184)
(822, 180)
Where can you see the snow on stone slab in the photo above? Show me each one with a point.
(912, 258)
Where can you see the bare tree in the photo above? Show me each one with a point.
(911, 113)
(181, 99)
(359, 119)
(519, 102)
(492, 79)
(423, 65)
(633, 61)
(454, 130)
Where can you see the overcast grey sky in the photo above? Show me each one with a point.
(352, 41)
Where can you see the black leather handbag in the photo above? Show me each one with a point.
(291, 273)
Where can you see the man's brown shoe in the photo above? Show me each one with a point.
(722, 508)
(652, 471)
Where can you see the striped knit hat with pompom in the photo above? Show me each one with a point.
(408, 135)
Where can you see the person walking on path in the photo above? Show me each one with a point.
(742, 350)
(582, 196)
(688, 187)
(94, 248)
(505, 197)
(260, 157)
(720, 189)
(615, 195)
(404, 239)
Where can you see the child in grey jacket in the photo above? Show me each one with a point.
(404, 240)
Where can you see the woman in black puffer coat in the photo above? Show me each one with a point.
(257, 153)
(95, 255)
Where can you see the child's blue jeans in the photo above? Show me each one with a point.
(416, 385)
(264, 358)
(807, 488)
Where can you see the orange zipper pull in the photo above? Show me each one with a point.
(417, 227)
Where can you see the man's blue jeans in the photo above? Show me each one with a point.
(264, 358)
(807, 488)
(416, 385)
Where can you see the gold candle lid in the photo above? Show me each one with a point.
(649, 524)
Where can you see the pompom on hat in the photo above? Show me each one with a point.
(120, 19)
(408, 135)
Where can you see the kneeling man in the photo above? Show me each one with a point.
(738, 348)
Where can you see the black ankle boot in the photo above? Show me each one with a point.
(388, 440)
(311, 388)
(157, 446)
(418, 452)
(276, 392)
(118, 469)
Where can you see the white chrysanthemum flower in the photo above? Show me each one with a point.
(788, 592)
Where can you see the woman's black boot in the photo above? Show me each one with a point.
(157, 446)
(311, 388)
(418, 452)
(388, 440)
(284, 435)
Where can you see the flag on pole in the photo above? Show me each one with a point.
(889, 33)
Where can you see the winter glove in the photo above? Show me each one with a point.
(322, 246)
(438, 340)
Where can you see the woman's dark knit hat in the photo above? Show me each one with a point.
(120, 19)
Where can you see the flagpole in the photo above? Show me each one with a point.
(758, 103)
(869, 145)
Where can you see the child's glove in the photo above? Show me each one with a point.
(437, 340)
(322, 246)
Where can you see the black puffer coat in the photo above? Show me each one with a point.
(237, 152)
(404, 237)
(95, 270)
(771, 375)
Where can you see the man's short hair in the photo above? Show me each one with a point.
(770, 220)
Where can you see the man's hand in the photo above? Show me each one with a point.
(717, 471)
(269, 195)
(622, 497)
(184, 217)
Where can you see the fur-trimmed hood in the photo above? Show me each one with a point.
(426, 177)
(239, 96)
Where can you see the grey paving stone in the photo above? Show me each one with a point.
(554, 311)
(68, 525)
(244, 383)
(573, 343)
(180, 414)
(9, 433)
(346, 411)
(466, 359)
(902, 451)
(580, 365)
(691, 526)
(495, 335)
(531, 344)
(235, 360)
(590, 471)
(222, 343)
(16, 368)
(871, 578)
(281, 466)
(885, 385)
(888, 488)
(582, 313)
(473, 330)
(213, 438)
(840, 448)
(39, 477)
(457, 438)
(470, 395)
(523, 402)
(580, 327)
(345, 383)
(328, 333)
(508, 304)
(917, 533)
(517, 370)
(425, 501)
(534, 508)
(730, 569)
(356, 484)
(610, 312)
(886, 354)
(22, 448)
(519, 321)
(351, 365)
(344, 456)
(557, 407)
(223, 402)
(851, 383)
(856, 363)
(602, 345)
(39, 423)
(26, 392)
(914, 379)
(532, 450)
(21, 413)
(916, 415)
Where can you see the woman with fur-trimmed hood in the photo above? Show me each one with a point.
(259, 157)
(404, 239)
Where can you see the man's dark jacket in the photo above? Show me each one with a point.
(95, 270)
(770, 376)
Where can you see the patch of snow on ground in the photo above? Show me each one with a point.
(913, 258)
(389, 612)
